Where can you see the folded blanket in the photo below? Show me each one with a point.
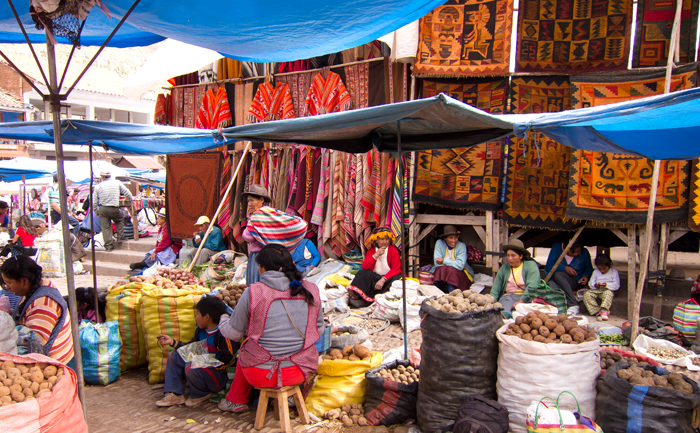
(271, 226)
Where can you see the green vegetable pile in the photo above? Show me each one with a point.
(612, 339)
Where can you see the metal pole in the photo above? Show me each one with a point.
(218, 210)
(92, 240)
(646, 242)
(70, 280)
(403, 246)
(24, 195)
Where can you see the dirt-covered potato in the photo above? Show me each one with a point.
(51, 370)
(360, 351)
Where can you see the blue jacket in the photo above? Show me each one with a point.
(581, 263)
(458, 260)
(299, 254)
(215, 241)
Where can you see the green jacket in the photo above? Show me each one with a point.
(531, 273)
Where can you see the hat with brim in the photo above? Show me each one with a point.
(161, 213)
(202, 220)
(449, 231)
(515, 245)
(105, 174)
(257, 191)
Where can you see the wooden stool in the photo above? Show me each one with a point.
(281, 404)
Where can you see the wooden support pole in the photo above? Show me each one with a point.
(495, 245)
(563, 254)
(221, 204)
(660, 262)
(631, 267)
(489, 239)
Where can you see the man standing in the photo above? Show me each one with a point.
(213, 244)
(55, 205)
(106, 206)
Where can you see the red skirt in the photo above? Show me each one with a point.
(450, 275)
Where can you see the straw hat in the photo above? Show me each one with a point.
(105, 174)
(202, 220)
(161, 212)
(449, 231)
(515, 245)
(257, 191)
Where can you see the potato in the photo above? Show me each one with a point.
(16, 388)
(525, 328)
(35, 387)
(3, 375)
(519, 320)
(18, 380)
(52, 380)
(540, 339)
(8, 382)
(7, 365)
(624, 374)
(361, 351)
(560, 330)
(336, 354)
(51, 370)
(42, 392)
(326, 357)
(28, 392)
(44, 385)
(347, 351)
(26, 384)
(660, 381)
(23, 368)
(13, 372)
(544, 331)
(685, 387)
(354, 357)
(536, 323)
(362, 421)
(18, 396)
(566, 339)
(527, 336)
(332, 414)
(4, 391)
(346, 420)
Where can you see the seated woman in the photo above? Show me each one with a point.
(381, 267)
(42, 308)
(572, 273)
(281, 318)
(451, 269)
(165, 251)
(26, 233)
(306, 256)
(519, 274)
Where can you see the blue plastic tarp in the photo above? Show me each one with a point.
(13, 169)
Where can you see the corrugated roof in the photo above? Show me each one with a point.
(8, 100)
(144, 162)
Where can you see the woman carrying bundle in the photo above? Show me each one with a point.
(280, 317)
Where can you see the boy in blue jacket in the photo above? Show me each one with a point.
(572, 273)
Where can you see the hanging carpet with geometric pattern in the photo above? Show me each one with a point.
(653, 33)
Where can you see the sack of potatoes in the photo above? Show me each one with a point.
(458, 301)
(24, 382)
(349, 353)
(545, 328)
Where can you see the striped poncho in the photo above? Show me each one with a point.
(271, 226)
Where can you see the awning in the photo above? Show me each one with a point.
(13, 169)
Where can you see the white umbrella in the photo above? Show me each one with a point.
(79, 171)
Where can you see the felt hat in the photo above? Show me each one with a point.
(105, 174)
(257, 190)
(202, 220)
(515, 245)
(161, 212)
(449, 230)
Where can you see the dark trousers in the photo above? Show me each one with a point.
(107, 215)
(201, 381)
(568, 283)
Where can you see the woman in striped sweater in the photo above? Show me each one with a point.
(42, 308)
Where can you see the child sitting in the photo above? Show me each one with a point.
(604, 281)
(85, 300)
(203, 382)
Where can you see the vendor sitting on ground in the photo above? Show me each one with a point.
(451, 269)
(305, 256)
(516, 276)
(381, 267)
(281, 318)
(42, 308)
(23, 241)
(202, 382)
(604, 282)
(213, 244)
(572, 273)
(165, 251)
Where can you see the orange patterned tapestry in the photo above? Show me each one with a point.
(694, 208)
(611, 187)
(465, 38)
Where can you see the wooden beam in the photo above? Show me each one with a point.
(457, 220)
(519, 233)
(619, 234)
(675, 235)
(540, 238)
(489, 238)
(654, 266)
(563, 253)
(481, 232)
(631, 267)
(662, 254)
(495, 245)
(425, 232)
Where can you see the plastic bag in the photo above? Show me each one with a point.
(196, 353)
(685, 319)
(28, 342)
(385, 306)
(459, 353)
(528, 370)
(389, 402)
(340, 382)
(412, 314)
(644, 343)
(554, 419)
(124, 307)
(100, 346)
(49, 255)
(8, 334)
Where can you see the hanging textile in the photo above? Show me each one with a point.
(327, 95)
(465, 38)
(186, 104)
(227, 69)
(349, 204)
(214, 112)
(611, 187)
(397, 218)
(377, 94)
(339, 244)
(360, 178)
(161, 115)
(653, 34)
(189, 193)
(371, 194)
(565, 36)
(388, 170)
(299, 85)
(271, 103)
(318, 210)
(357, 79)
(463, 178)
(537, 182)
(694, 208)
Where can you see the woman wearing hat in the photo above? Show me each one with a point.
(165, 251)
(381, 267)
(519, 274)
(451, 269)
(257, 198)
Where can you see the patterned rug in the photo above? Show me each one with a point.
(694, 209)
(653, 33)
(568, 36)
(611, 187)
(190, 194)
(463, 178)
(537, 180)
(465, 38)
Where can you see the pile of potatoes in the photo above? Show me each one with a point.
(458, 301)
(639, 376)
(357, 352)
(231, 293)
(405, 375)
(165, 279)
(349, 415)
(544, 328)
(24, 382)
(609, 358)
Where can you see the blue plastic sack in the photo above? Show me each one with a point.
(100, 346)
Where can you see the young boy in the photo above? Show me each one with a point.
(604, 282)
(203, 382)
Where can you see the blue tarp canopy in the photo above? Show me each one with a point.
(658, 127)
(253, 30)
(11, 170)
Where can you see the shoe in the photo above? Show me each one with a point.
(572, 311)
(227, 406)
(599, 317)
(604, 315)
(134, 266)
(171, 399)
(291, 402)
(108, 249)
(195, 401)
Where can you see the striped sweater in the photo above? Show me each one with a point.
(41, 317)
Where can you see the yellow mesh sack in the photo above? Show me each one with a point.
(124, 306)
